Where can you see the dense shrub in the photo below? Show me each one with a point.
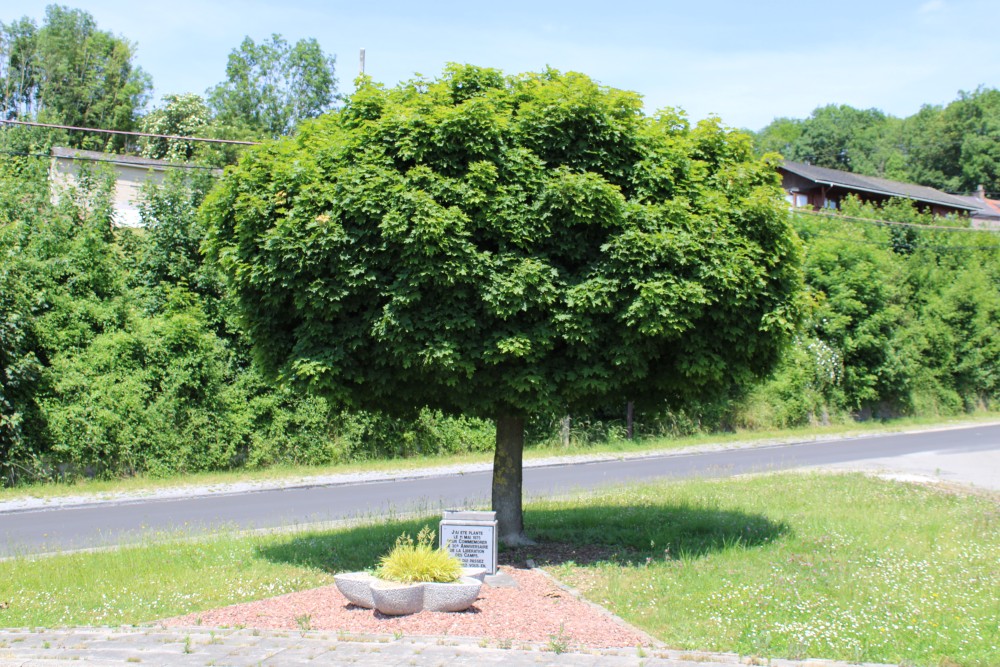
(152, 396)
(118, 354)
(19, 366)
(900, 320)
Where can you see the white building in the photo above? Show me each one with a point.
(131, 173)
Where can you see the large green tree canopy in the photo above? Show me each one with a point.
(497, 245)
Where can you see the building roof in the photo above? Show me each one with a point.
(879, 186)
(125, 160)
(114, 158)
(985, 208)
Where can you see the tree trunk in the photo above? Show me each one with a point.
(507, 476)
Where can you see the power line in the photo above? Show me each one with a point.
(82, 158)
(880, 222)
(889, 244)
(131, 134)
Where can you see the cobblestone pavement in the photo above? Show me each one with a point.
(201, 647)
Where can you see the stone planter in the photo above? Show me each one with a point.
(356, 587)
(394, 599)
(454, 596)
(476, 573)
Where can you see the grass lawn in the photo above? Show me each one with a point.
(615, 447)
(823, 566)
(786, 565)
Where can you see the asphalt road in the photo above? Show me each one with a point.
(961, 453)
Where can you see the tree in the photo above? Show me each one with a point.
(780, 136)
(840, 137)
(270, 87)
(931, 150)
(975, 118)
(184, 115)
(18, 68)
(70, 72)
(497, 246)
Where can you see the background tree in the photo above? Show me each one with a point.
(859, 311)
(71, 73)
(956, 147)
(118, 355)
(932, 156)
(780, 136)
(835, 136)
(184, 115)
(18, 68)
(499, 246)
(270, 87)
(974, 121)
(19, 364)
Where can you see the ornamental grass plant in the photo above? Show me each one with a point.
(412, 562)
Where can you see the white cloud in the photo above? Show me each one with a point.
(932, 6)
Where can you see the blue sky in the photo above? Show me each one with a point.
(747, 62)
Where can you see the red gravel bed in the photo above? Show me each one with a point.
(536, 611)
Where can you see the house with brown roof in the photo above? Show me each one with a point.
(809, 186)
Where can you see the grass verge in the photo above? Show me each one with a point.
(793, 566)
(172, 574)
(139, 484)
(780, 566)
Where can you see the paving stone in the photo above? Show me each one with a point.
(500, 580)
(230, 647)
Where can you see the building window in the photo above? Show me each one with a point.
(797, 199)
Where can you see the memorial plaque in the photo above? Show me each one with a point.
(471, 537)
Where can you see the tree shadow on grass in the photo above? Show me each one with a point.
(632, 535)
(623, 534)
(342, 550)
